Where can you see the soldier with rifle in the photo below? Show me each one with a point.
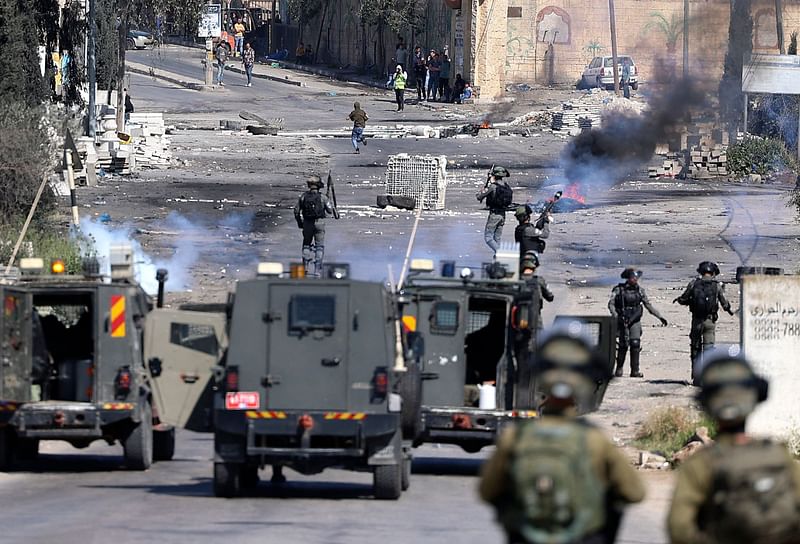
(498, 195)
(531, 236)
(625, 304)
(310, 212)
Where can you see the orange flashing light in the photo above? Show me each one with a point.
(57, 267)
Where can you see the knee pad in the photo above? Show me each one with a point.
(636, 344)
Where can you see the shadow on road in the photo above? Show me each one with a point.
(79, 462)
(444, 466)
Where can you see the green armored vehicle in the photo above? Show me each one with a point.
(477, 336)
(71, 363)
(312, 378)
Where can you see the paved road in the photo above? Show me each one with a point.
(87, 497)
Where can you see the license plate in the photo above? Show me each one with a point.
(242, 400)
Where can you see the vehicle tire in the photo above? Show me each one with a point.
(6, 449)
(635, 85)
(405, 481)
(163, 444)
(138, 445)
(410, 389)
(227, 481)
(388, 481)
(248, 477)
(130, 44)
(26, 449)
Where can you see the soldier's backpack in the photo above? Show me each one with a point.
(557, 497)
(753, 499)
(501, 197)
(704, 298)
(313, 208)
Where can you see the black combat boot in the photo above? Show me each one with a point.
(635, 364)
(620, 361)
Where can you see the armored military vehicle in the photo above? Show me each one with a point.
(312, 378)
(479, 336)
(72, 362)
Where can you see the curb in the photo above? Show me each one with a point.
(331, 74)
(141, 69)
(269, 77)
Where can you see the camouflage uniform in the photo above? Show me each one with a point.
(493, 231)
(313, 231)
(625, 305)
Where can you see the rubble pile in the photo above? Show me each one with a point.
(708, 162)
(149, 147)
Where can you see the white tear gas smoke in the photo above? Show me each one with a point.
(602, 156)
(187, 251)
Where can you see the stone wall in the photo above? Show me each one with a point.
(553, 40)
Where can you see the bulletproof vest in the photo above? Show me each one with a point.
(753, 499)
(528, 243)
(628, 303)
(500, 198)
(556, 495)
(703, 301)
(312, 206)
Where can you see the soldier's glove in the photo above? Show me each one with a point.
(299, 224)
(664, 322)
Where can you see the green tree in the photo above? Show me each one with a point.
(20, 76)
(740, 43)
(792, 43)
(303, 11)
(671, 29)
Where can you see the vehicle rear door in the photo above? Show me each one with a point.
(308, 332)
(16, 357)
(182, 348)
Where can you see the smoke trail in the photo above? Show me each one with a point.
(627, 141)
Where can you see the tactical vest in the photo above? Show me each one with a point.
(628, 303)
(399, 82)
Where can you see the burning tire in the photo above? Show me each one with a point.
(138, 445)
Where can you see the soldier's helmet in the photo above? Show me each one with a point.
(708, 267)
(630, 273)
(567, 365)
(522, 211)
(314, 181)
(530, 260)
(730, 389)
(500, 172)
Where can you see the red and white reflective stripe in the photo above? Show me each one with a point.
(118, 406)
(354, 416)
(253, 414)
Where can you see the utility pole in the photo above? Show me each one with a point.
(685, 39)
(209, 71)
(91, 72)
(779, 25)
(272, 44)
(613, 20)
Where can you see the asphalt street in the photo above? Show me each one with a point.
(86, 496)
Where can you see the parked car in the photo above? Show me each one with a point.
(139, 39)
(600, 72)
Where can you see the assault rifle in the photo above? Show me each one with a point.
(547, 209)
(330, 192)
(488, 177)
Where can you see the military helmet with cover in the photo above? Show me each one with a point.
(708, 267)
(730, 389)
(630, 272)
(500, 172)
(314, 181)
(522, 211)
(567, 365)
(529, 260)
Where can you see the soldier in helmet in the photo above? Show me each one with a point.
(498, 195)
(740, 490)
(704, 295)
(625, 304)
(530, 236)
(537, 284)
(310, 212)
(557, 478)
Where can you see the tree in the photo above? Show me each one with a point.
(740, 43)
(20, 76)
(671, 28)
(792, 43)
(303, 11)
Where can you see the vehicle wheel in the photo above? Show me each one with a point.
(163, 444)
(388, 481)
(130, 44)
(405, 481)
(410, 389)
(581, 85)
(635, 85)
(226, 480)
(26, 449)
(138, 445)
(5, 449)
(248, 476)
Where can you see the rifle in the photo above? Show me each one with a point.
(488, 177)
(331, 194)
(547, 208)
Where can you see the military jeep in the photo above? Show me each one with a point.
(478, 331)
(72, 369)
(312, 377)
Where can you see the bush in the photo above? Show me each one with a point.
(754, 155)
(49, 244)
(668, 430)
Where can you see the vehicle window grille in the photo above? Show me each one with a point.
(477, 321)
